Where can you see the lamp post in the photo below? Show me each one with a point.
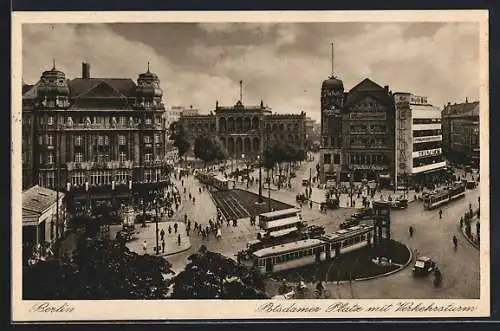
(155, 202)
(260, 178)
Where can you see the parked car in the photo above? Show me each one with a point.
(349, 223)
(363, 214)
(399, 203)
(424, 265)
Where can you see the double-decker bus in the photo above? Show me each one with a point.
(442, 197)
(308, 251)
(277, 215)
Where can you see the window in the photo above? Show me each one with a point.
(78, 178)
(94, 178)
(121, 140)
(158, 119)
(106, 140)
(50, 140)
(122, 120)
(123, 157)
(336, 158)
(148, 175)
(328, 159)
(122, 177)
(147, 121)
(78, 157)
(147, 139)
(50, 157)
(100, 140)
(51, 179)
(148, 157)
(157, 138)
(106, 177)
(41, 158)
(50, 120)
(157, 175)
(40, 140)
(78, 140)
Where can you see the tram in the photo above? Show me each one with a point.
(309, 251)
(213, 180)
(442, 197)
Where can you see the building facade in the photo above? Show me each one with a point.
(94, 138)
(357, 130)
(419, 141)
(461, 132)
(245, 131)
(41, 223)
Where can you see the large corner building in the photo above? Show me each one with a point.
(94, 138)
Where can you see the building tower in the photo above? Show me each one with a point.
(332, 100)
(148, 92)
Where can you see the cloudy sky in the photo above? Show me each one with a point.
(282, 64)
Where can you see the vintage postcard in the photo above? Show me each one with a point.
(250, 165)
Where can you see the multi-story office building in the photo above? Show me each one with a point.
(94, 138)
(461, 132)
(245, 131)
(357, 130)
(418, 153)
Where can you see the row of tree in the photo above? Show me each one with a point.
(102, 269)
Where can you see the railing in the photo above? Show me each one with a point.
(99, 126)
(99, 165)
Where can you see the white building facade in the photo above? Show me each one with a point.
(419, 141)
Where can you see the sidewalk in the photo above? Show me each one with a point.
(473, 230)
(148, 234)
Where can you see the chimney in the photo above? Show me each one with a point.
(386, 88)
(85, 70)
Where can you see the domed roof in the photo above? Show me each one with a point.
(333, 83)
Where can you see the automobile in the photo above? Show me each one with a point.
(470, 184)
(363, 214)
(331, 203)
(399, 203)
(349, 223)
(301, 197)
(424, 265)
(314, 231)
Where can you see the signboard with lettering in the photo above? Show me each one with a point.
(367, 116)
(417, 140)
(429, 152)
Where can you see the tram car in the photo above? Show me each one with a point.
(213, 180)
(303, 252)
(442, 197)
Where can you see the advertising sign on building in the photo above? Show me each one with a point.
(429, 152)
(417, 140)
(379, 116)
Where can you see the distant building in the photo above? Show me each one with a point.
(461, 132)
(419, 141)
(245, 131)
(94, 138)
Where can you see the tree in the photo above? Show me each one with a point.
(209, 149)
(180, 139)
(101, 269)
(210, 275)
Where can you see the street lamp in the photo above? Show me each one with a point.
(260, 178)
(155, 202)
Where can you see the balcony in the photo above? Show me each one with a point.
(100, 126)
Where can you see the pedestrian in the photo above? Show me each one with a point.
(410, 231)
(189, 224)
(455, 242)
(185, 218)
(310, 204)
(145, 247)
(187, 231)
(162, 234)
(163, 246)
(182, 183)
(189, 195)
(169, 229)
(440, 213)
(179, 239)
(195, 225)
(193, 200)
(175, 227)
(461, 222)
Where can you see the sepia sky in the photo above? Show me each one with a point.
(282, 64)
